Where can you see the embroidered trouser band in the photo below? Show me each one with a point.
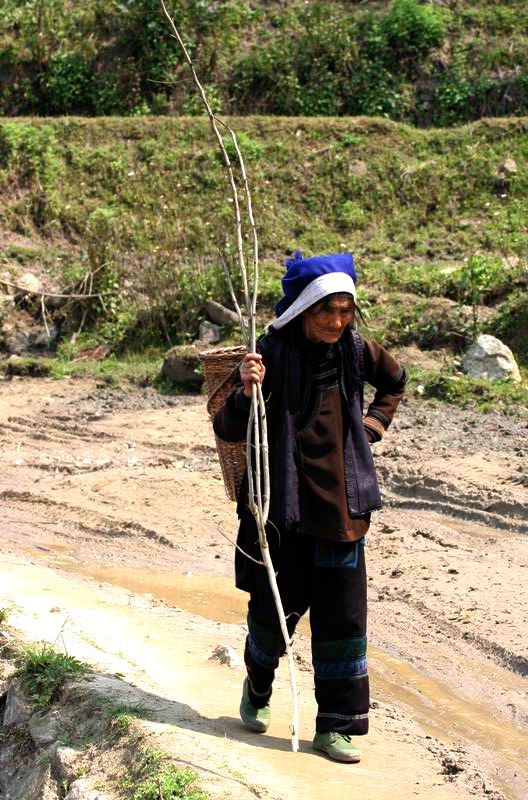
(329, 578)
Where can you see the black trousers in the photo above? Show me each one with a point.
(329, 579)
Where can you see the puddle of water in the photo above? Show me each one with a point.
(441, 713)
(448, 717)
(211, 597)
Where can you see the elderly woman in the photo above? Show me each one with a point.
(313, 365)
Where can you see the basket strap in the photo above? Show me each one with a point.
(228, 379)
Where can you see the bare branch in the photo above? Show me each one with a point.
(236, 304)
(256, 439)
(218, 135)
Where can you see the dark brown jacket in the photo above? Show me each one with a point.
(362, 361)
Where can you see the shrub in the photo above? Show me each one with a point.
(66, 82)
(171, 784)
(45, 671)
(412, 29)
(31, 146)
(478, 275)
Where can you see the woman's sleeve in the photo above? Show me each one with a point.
(231, 420)
(389, 379)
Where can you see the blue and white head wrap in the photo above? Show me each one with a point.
(309, 280)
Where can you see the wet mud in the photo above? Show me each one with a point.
(126, 490)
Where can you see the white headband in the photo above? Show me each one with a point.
(329, 283)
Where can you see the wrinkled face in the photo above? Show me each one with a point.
(326, 321)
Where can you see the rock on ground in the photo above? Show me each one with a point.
(226, 655)
(44, 729)
(491, 358)
(182, 365)
(220, 314)
(209, 333)
(18, 709)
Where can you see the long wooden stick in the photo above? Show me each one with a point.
(257, 437)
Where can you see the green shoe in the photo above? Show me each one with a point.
(337, 746)
(256, 719)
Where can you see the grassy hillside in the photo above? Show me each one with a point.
(143, 204)
(426, 63)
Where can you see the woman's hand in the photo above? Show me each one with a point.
(252, 370)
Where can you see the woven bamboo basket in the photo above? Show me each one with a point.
(220, 367)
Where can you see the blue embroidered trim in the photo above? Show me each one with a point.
(347, 668)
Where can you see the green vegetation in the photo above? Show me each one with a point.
(436, 220)
(142, 206)
(424, 63)
(122, 714)
(153, 778)
(44, 672)
(479, 394)
(479, 275)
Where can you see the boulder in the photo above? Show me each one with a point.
(182, 366)
(220, 314)
(208, 333)
(18, 708)
(490, 358)
(44, 730)
(23, 336)
(23, 777)
(225, 654)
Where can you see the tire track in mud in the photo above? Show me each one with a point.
(431, 494)
(106, 527)
(45, 428)
(514, 662)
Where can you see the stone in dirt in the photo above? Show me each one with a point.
(358, 168)
(182, 366)
(226, 655)
(18, 709)
(30, 282)
(507, 167)
(208, 333)
(44, 729)
(22, 335)
(220, 314)
(490, 358)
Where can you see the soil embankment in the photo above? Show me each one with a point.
(110, 495)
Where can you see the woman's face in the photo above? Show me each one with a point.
(326, 321)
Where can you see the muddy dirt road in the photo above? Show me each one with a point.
(112, 503)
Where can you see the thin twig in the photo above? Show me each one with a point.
(44, 315)
(232, 541)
